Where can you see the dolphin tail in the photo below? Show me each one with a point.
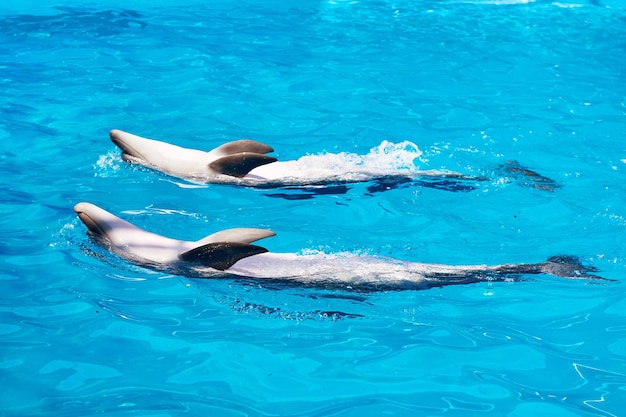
(528, 178)
(239, 164)
(569, 267)
(220, 255)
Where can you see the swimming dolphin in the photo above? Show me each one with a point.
(229, 253)
(244, 162)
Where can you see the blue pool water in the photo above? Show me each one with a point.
(471, 84)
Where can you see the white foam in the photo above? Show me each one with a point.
(107, 164)
(385, 159)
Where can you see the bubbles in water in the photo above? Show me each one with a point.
(62, 238)
(107, 164)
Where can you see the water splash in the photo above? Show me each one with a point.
(387, 156)
(107, 164)
(385, 159)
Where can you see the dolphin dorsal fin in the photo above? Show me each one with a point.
(220, 255)
(241, 235)
(242, 145)
(239, 164)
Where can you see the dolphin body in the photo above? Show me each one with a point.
(230, 253)
(245, 162)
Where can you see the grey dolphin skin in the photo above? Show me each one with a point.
(230, 253)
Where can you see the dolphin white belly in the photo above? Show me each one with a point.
(245, 162)
(349, 270)
(230, 253)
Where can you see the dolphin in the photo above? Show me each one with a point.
(245, 162)
(230, 253)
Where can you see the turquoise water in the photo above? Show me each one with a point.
(471, 84)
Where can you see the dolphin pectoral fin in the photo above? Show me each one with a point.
(241, 235)
(243, 145)
(221, 255)
(238, 165)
